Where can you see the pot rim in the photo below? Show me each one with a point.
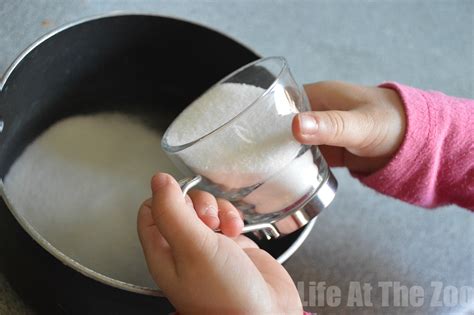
(68, 261)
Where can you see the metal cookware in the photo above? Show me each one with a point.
(158, 64)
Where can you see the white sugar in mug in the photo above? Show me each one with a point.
(251, 158)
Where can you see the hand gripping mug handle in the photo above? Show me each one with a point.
(190, 182)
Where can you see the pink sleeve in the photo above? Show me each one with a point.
(435, 163)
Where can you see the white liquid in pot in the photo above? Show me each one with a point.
(80, 185)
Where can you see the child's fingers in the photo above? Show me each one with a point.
(146, 223)
(176, 220)
(189, 201)
(334, 156)
(245, 242)
(267, 265)
(155, 247)
(335, 95)
(205, 205)
(348, 129)
(231, 221)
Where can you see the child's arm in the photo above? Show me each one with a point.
(435, 163)
(410, 144)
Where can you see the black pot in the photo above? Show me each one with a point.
(107, 63)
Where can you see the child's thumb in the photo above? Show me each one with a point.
(349, 129)
(176, 220)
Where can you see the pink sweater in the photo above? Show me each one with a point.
(435, 163)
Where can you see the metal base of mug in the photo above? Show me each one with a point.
(296, 219)
(293, 219)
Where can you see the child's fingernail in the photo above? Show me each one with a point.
(308, 124)
(210, 211)
(159, 180)
(232, 215)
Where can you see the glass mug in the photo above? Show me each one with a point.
(252, 159)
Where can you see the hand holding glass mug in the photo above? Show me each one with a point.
(354, 126)
(358, 127)
(235, 142)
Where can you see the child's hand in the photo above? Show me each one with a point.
(358, 127)
(203, 272)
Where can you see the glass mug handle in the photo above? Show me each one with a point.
(188, 183)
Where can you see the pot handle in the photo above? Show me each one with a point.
(269, 230)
